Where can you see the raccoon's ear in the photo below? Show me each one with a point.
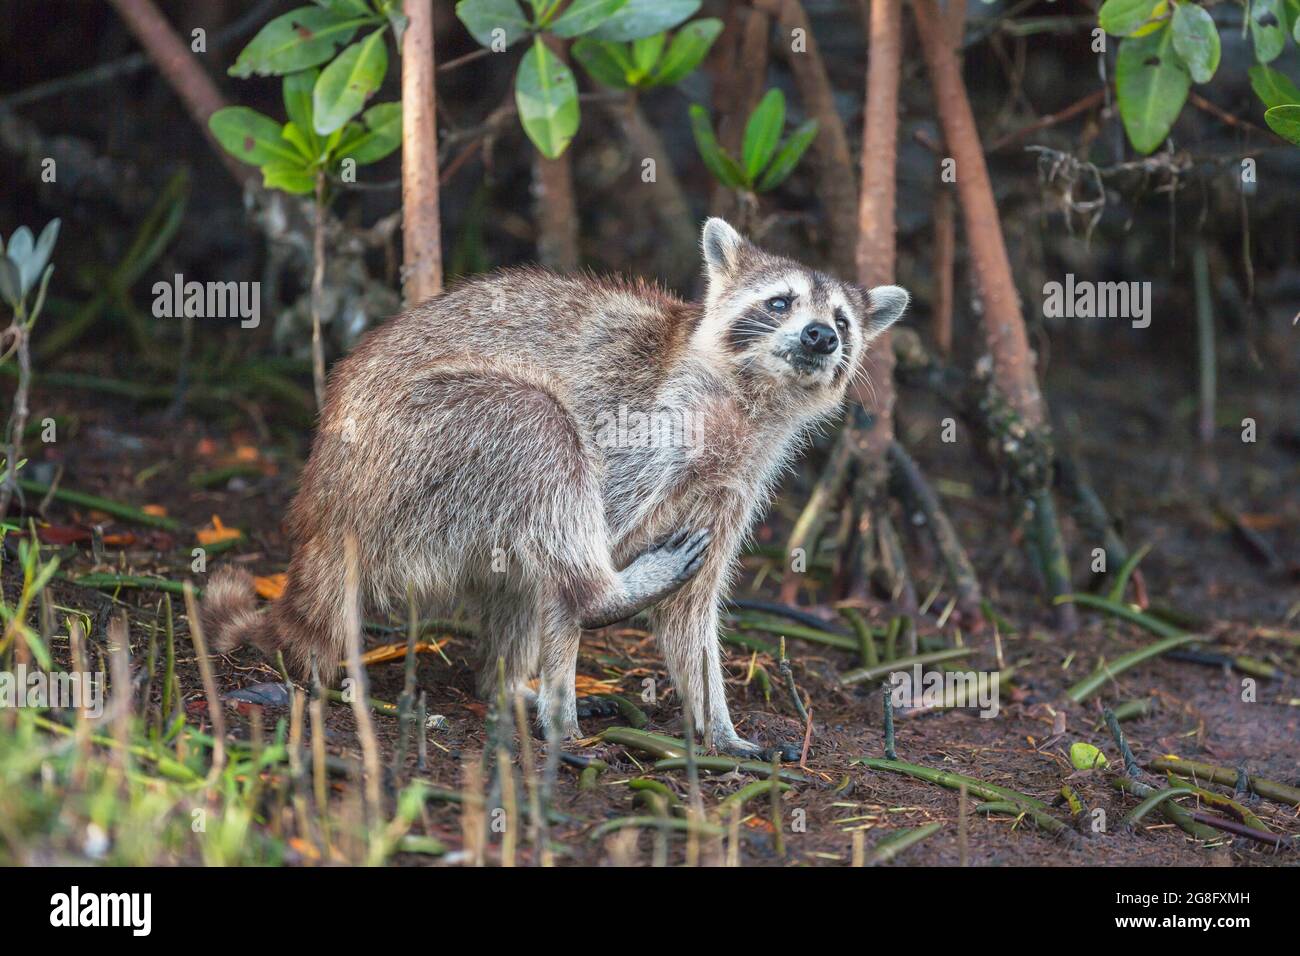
(886, 304)
(722, 246)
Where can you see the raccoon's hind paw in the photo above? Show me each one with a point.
(673, 563)
(742, 748)
(596, 706)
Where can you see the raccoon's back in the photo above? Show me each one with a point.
(586, 332)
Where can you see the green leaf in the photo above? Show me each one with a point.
(1285, 121)
(251, 137)
(300, 141)
(645, 52)
(725, 169)
(606, 63)
(34, 265)
(1122, 17)
(10, 282)
(353, 8)
(344, 86)
(294, 41)
(297, 104)
(377, 136)
(288, 178)
(583, 16)
(547, 96)
(689, 47)
(21, 244)
(1152, 85)
(787, 158)
(483, 17)
(762, 133)
(643, 18)
(1085, 756)
(1266, 20)
(1272, 87)
(1196, 40)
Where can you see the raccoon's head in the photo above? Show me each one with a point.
(785, 326)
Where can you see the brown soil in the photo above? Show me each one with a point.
(1198, 566)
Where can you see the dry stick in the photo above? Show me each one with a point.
(1014, 377)
(888, 702)
(120, 641)
(357, 674)
(316, 710)
(945, 262)
(537, 824)
(695, 812)
(215, 710)
(807, 528)
(318, 292)
(1088, 102)
(406, 703)
(835, 183)
(183, 72)
(860, 674)
(421, 229)
(506, 771)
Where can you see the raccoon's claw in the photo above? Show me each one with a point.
(596, 706)
(692, 551)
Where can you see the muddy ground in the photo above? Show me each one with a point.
(1147, 466)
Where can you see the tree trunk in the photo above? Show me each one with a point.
(421, 224)
(556, 208)
(835, 183)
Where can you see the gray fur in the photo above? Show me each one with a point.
(480, 447)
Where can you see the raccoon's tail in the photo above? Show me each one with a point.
(229, 612)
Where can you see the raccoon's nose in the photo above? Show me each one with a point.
(819, 337)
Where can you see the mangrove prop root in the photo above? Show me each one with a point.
(1031, 807)
(892, 845)
(1269, 789)
(1098, 678)
(918, 490)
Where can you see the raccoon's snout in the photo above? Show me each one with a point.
(819, 338)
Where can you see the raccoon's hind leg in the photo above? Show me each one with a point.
(510, 632)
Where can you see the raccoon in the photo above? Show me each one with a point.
(513, 443)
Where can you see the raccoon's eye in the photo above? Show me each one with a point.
(841, 321)
(779, 303)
